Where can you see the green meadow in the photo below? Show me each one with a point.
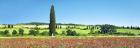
(80, 30)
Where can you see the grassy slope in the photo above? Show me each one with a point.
(129, 30)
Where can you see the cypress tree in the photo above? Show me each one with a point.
(52, 25)
(9, 26)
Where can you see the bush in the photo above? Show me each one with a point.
(138, 34)
(63, 33)
(44, 33)
(33, 32)
(71, 33)
(21, 31)
(6, 32)
(36, 28)
(14, 32)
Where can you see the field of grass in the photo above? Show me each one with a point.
(129, 31)
(78, 29)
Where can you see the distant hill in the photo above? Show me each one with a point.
(34, 23)
(41, 23)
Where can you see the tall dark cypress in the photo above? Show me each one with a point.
(52, 25)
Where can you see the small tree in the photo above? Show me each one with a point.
(9, 26)
(14, 32)
(71, 33)
(21, 31)
(33, 32)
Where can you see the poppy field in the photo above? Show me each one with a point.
(71, 42)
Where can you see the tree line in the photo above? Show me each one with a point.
(130, 27)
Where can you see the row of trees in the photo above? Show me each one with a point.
(14, 32)
(20, 32)
(130, 27)
(8, 26)
(35, 32)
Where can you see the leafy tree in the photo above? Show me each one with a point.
(21, 31)
(108, 29)
(6, 32)
(95, 29)
(33, 32)
(52, 25)
(14, 32)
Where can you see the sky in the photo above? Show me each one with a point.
(91, 12)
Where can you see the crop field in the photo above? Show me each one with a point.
(71, 42)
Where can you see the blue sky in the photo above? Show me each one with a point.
(117, 12)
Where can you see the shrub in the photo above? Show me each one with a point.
(14, 32)
(21, 31)
(71, 33)
(36, 28)
(33, 32)
(138, 34)
(6, 32)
